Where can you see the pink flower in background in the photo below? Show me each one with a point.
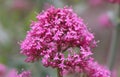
(105, 20)
(95, 2)
(2, 70)
(25, 74)
(114, 73)
(114, 1)
(21, 5)
(14, 73)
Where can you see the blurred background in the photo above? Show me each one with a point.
(16, 16)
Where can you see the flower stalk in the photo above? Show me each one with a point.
(114, 42)
(58, 72)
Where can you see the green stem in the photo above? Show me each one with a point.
(37, 68)
(58, 73)
(113, 49)
(114, 42)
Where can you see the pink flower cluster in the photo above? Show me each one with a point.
(4, 72)
(105, 20)
(21, 5)
(13, 73)
(54, 32)
(114, 1)
(25, 74)
(95, 2)
(61, 39)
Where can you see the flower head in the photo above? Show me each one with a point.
(58, 31)
(55, 30)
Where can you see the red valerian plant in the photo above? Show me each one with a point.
(61, 39)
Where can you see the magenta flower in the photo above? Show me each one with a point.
(105, 20)
(25, 74)
(58, 31)
(2, 70)
(114, 73)
(95, 2)
(114, 1)
(53, 33)
(21, 5)
(93, 69)
(14, 73)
